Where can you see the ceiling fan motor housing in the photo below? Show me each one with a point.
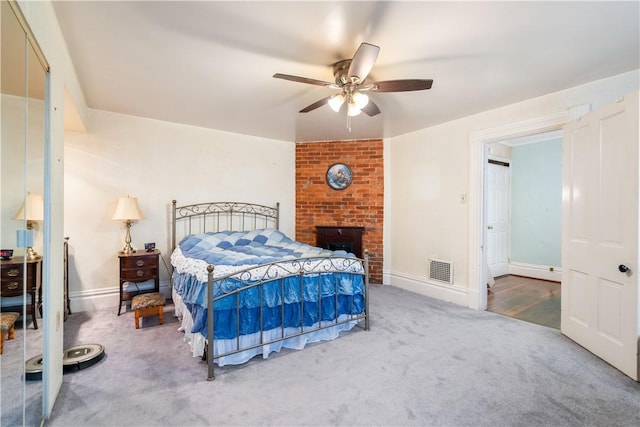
(341, 72)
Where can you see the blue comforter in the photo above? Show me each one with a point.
(283, 302)
(248, 247)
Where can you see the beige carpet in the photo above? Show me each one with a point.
(424, 362)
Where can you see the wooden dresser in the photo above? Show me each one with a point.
(12, 275)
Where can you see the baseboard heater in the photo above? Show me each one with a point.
(440, 270)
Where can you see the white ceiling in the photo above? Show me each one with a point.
(210, 63)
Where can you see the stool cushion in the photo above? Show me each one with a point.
(148, 300)
(7, 320)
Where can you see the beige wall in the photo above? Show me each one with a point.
(157, 162)
(430, 177)
(428, 219)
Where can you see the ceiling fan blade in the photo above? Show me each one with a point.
(319, 103)
(363, 61)
(402, 85)
(371, 109)
(304, 80)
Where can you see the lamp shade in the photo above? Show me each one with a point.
(32, 209)
(128, 209)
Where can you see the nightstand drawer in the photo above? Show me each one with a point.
(13, 275)
(12, 272)
(11, 288)
(139, 262)
(139, 274)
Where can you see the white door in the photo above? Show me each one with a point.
(498, 196)
(600, 234)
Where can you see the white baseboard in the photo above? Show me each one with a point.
(451, 293)
(96, 299)
(473, 300)
(108, 297)
(535, 271)
(386, 277)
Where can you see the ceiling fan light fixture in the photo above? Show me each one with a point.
(353, 109)
(360, 100)
(336, 101)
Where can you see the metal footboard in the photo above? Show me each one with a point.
(258, 276)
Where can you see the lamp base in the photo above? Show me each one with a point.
(31, 254)
(128, 249)
(127, 241)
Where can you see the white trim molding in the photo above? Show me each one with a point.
(96, 299)
(386, 277)
(451, 293)
(478, 152)
(542, 272)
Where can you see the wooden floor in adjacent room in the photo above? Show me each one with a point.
(533, 300)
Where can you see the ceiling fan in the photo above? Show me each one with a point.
(350, 80)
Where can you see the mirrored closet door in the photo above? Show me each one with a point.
(22, 108)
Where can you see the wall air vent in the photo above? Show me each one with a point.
(441, 271)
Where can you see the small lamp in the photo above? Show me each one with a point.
(31, 211)
(128, 210)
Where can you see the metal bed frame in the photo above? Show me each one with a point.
(239, 216)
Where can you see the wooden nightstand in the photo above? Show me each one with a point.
(12, 273)
(136, 268)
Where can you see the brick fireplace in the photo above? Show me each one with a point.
(361, 205)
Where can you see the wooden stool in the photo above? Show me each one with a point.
(7, 323)
(149, 304)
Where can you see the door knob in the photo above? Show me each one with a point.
(623, 268)
(490, 227)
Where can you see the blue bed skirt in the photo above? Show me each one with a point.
(283, 303)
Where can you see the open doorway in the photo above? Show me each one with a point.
(523, 195)
(479, 144)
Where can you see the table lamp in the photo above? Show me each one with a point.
(32, 210)
(128, 211)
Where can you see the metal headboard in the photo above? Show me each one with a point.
(218, 216)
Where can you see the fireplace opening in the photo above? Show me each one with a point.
(340, 246)
(334, 238)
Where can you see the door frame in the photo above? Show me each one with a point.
(479, 154)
